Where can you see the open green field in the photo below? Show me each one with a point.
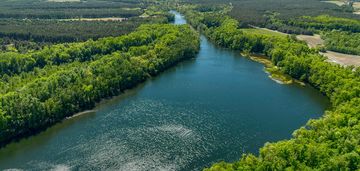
(263, 31)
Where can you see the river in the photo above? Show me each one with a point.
(211, 108)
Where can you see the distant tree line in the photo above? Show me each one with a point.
(39, 9)
(70, 31)
(69, 13)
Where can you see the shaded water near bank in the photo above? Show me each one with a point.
(211, 108)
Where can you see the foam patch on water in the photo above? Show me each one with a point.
(178, 130)
(148, 163)
(61, 167)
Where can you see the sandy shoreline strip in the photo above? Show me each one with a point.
(81, 113)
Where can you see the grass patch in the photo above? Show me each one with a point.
(263, 31)
(274, 72)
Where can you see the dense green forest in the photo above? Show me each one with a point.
(326, 22)
(345, 42)
(22, 46)
(47, 9)
(30, 25)
(328, 143)
(45, 86)
(54, 31)
(294, 17)
(255, 12)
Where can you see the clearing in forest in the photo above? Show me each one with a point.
(356, 6)
(339, 3)
(342, 59)
(264, 31)
(335, 57)
(313, 42)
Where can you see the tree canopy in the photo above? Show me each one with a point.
(43, 87)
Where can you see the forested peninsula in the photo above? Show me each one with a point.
(41, 88)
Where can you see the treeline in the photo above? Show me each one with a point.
(39, 9)
(326, 22)
(61, 80)
(21, 46)
(274, 22)
(55, 31)
(328, 143)
(343, 42)
(27, 25)
(53, 4)
(69, 13)
(254, 12)
(308, 25)
(15, 63)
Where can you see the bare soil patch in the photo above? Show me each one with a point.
(342, 59)
(312, 41)
(334, 57)
(339, 3)
(356, 6)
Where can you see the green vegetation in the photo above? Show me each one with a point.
(326, 22)
(274, 72)
(343, 42)
(255, 12)
(27, 25)
(328, 143)
(43, 87)
(54, 31)
(42, 83)
(47, 9)
(22, 46)
(262, 31)
(295, 17)
(340, 34)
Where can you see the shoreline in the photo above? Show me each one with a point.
(273, 71)
(80, 114)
